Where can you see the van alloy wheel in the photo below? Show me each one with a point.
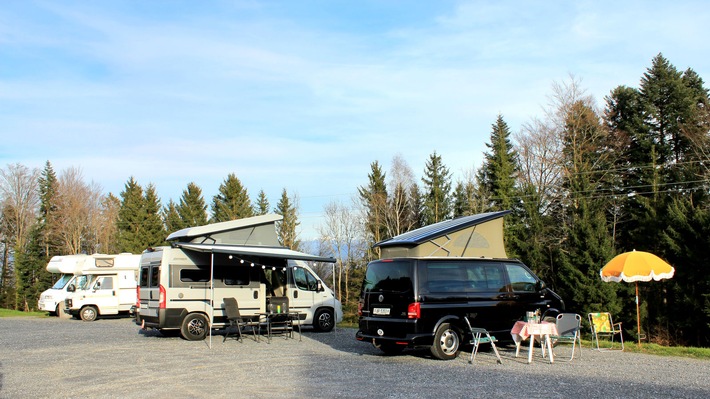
(194, 327)
(447, 342)
(324, 320)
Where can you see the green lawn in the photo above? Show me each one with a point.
(17, 313)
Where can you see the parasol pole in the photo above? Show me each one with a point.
(638, 315)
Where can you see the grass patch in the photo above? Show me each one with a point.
(17, 313)
(655, 349)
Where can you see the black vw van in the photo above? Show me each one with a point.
(410, 301)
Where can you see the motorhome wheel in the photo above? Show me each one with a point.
(194, 327)
(323, 320)
(447, 342)
(89, 313)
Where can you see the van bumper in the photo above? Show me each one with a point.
(409, 340)
(160, 319)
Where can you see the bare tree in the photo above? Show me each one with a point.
(19, 198)
(341, 236)
(78, 212)
(398, 210)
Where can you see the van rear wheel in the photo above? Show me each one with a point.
(447, 342)
(194, 327)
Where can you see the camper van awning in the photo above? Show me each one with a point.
(272, 252)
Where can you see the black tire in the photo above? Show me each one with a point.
(389, 348)
(89, 313)
(324, 320)
(447, 342)
(194, 327)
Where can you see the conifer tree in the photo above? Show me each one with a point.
(154, 229)
(47, 211)
(262, 206)
(192, 208)
(171, 218)
(286, 228)
(498, 174)
(132, 218)
(232, 202)
(373, 198)
(437, 190)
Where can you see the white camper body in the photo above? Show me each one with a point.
(109, 289)
(70, 268)
(182, 287)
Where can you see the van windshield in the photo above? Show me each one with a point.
(62, 282)
(388, 276)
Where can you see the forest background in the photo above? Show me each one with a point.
(584, 183)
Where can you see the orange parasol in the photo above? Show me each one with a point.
(636, 266)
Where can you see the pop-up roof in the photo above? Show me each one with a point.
(255, 231)
(468, 236)
(254, 236)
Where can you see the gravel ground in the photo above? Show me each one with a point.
(55, 358)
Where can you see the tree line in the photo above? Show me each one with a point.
(584, 182)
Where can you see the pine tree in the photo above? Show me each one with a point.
(192, 208)
(437, 189)
(232, 202)
(286, 228)
(47, 211)
(500, 168)
(262, 206)
(132, 218)
(154, 230)
(374, 200)
(171, 218)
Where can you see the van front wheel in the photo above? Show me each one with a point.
(194, 327)
(447, 342)
(324, 320)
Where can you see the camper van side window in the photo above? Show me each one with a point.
(195, 275)
(521, 279)
(304, 279)
(155, 275)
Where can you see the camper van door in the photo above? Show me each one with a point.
(103, 291)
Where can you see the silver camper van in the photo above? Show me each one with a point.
(182, 287)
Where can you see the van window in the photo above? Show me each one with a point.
(458, 276)
(232, 275)
(304, 279)
(82, 282)
(388, 276)
(155, 276)
(195, 275)
(104, 283)
(145, 273)
(520, 278)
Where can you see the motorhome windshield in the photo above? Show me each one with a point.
(81, 282)
(393, 276)
(62, 282)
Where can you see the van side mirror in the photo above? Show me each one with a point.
(71, 288)
(320, 287)
(541, 285)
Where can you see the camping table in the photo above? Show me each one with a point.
(523, 330)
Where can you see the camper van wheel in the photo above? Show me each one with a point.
(447, 342)
(194, 327)
(323, 320)
(89, 313)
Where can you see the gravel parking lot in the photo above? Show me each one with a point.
(59, 358)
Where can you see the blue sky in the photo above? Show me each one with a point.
(304, 95)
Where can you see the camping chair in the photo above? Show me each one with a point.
(568, 330)
(231, 307)
(602, 324)
(278, 316)
(478, 339)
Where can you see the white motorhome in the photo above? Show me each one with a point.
(70, 268)
(182, 287)
(110, 288)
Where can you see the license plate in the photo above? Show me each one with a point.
(381, 311)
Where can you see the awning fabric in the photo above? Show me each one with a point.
(272, 252)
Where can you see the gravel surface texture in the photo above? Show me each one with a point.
(111, 358)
